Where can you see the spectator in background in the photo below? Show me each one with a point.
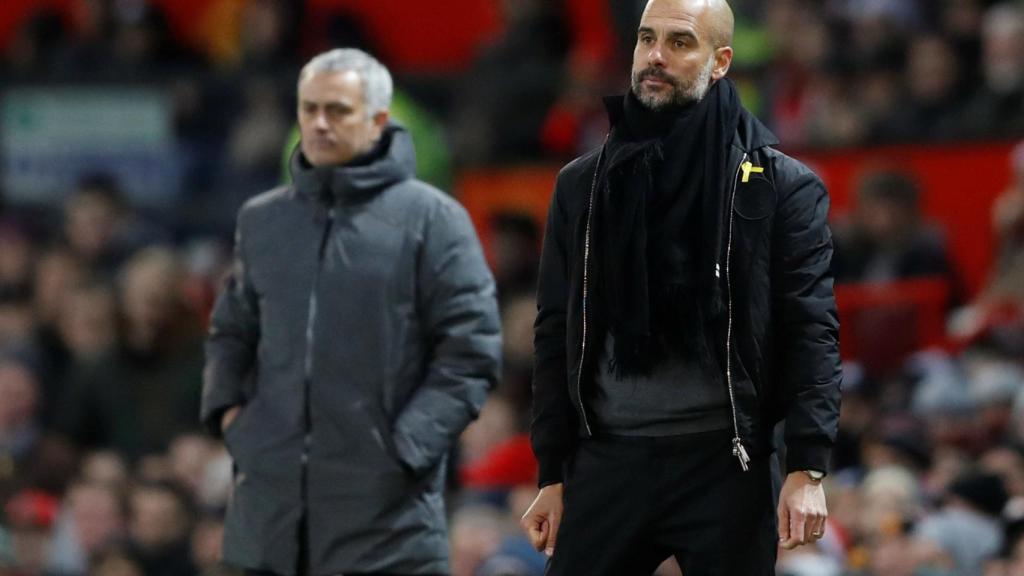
(159, 528)
(17, 318)
(94, 517)
(257, 127)
(206, 545)
(931, 109)
(142, 44)
(515, 245)
(960, 21)
(116, 562)
(17, 253)
(87, 324)
(998, 108)
(887, 238)
(36, 47)
(30, 514)
(20, 428)
(100, 226)
(1008, 220)
(476, 533)
(878, 28)
(87, 50)
(996, 317)
(518, 314)
(507, 93)
(105, 467)
(57, 273)
(145, 391)
(967, 528)
(267, 36)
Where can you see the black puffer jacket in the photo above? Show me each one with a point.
(780, 333)
(363, 307)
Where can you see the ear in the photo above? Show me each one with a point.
(380, 120)
(723, 59)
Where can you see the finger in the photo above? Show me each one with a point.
(553, 522)
(783, 524)
(822, 526)
(797, 525)
(537, 533)
(811, 528)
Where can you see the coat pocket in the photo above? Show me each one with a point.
(755, 199)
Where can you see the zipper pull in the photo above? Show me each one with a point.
(740, 452)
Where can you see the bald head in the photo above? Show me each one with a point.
(682, 48)
(713, 16)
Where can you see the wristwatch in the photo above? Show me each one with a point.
(815, 475)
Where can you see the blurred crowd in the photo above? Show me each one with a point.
(103, 303)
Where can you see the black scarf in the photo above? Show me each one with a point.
(659, 213)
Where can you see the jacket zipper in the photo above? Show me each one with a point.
(307, 417)
(586, 264)
(737, 444)
(738, 450)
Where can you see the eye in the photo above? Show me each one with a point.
(337, 110)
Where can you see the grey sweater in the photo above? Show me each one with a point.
(679, 397)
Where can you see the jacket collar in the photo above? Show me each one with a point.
(396, 161)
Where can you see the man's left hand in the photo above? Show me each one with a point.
(802, 511)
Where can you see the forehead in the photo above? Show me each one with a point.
(682, 15)
(331, 86)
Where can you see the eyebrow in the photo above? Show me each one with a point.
(326, 104)
(674, 34)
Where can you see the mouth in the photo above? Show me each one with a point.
(655, 80)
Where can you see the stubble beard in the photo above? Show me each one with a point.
(682, 93)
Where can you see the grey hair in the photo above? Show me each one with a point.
(1003, 19)
(377, 84)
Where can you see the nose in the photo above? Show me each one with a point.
(320, 123)
(655, 57)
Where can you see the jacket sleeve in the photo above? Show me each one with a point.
(231, 342)
(458, 306)
(552, 429)
(804, 319)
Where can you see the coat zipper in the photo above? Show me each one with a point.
(307, 417)
(737, 444)
(738, 450)
(586, 264)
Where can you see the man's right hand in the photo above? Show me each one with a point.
(543, 517)
(228, 417)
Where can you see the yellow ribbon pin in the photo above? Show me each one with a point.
(749, 168)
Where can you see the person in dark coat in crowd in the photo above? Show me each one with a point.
(888, 239)
(685, 306)
(357, 337)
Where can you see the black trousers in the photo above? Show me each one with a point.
(631, 503)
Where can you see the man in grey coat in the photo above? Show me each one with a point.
(357, 337)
